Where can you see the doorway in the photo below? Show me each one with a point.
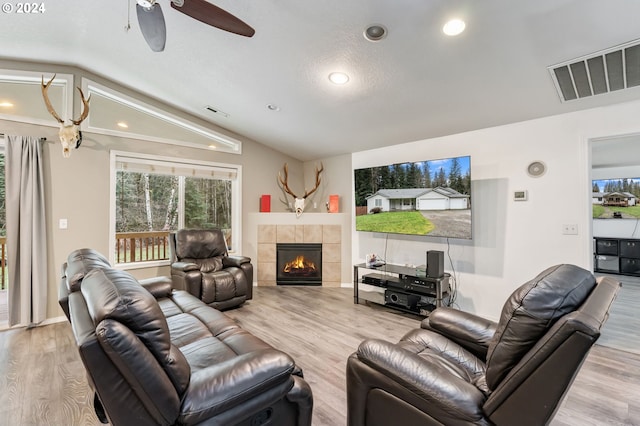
(615, 183)
(4, 284)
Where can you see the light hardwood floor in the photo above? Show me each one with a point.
(42, 380)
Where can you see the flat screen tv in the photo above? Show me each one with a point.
(616, 198)
(430, 198)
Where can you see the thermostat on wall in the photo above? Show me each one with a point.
(520, 195)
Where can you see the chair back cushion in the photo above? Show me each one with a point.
(530, 311)
(204, 247)
(79, 263)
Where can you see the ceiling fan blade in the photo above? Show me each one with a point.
(152, 25)
(212, 15)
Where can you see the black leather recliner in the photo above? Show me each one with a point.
(159, 356)
(202, 266)
(460, 369)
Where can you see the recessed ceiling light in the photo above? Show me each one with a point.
(6, 104)
(122, 124)
(212, 147)
(375, 32)
(273, 107)
(454, 27)
(338, 78)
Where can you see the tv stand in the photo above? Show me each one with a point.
(400, 287)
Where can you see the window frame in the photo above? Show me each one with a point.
(236, 201)
(226, 144)
(35, 78)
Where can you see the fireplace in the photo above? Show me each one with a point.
(298, 264)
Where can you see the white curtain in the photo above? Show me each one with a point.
(26, 230)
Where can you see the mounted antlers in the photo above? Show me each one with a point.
(299, 203)
(69, 132)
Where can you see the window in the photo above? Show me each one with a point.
(378, 202)
(154, 196)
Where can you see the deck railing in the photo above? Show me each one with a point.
(130, 247)
(3, 263)
(134, 247)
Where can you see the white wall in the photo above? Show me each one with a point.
(512, 240)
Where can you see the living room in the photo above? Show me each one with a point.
(512, 240)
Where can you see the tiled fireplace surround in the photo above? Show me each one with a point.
(329, 235)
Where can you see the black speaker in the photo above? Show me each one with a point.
(435, 264)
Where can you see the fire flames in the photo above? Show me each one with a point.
(300, 266)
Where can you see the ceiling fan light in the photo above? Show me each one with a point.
(146, 3)
(454, 27)
(338, 78)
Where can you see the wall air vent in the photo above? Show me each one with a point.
(216, 111)
(602, 72)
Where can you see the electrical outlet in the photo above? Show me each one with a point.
(570, 229)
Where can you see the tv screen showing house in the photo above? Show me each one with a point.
(616, 198)
(431, 198)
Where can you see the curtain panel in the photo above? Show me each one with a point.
(26, 230)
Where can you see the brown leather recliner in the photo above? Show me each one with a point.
(202, 266)
(460, 369)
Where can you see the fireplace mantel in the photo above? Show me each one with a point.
(330, 229)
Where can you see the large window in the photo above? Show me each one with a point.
(154, 196)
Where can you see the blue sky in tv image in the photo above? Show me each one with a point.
(621, 184)
(464, 164)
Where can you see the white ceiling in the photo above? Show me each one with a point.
(414, 84)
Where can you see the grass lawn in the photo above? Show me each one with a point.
(409, 222)
(631, 211)
(598, 211)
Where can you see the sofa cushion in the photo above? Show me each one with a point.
(530, 311)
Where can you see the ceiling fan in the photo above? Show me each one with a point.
(154, 30)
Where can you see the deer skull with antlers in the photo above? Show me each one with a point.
(299, 203)
(69, 133)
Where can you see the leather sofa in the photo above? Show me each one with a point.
(159, 356)
(202, 266)
(460, 369)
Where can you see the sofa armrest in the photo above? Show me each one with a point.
(234, 261)
(224, 386)
(468, 330)
(184, 266)
(187, 276)
(158, 286)
(63, 297)
(378, 364)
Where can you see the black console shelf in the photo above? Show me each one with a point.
(405, 289)
(616, 256)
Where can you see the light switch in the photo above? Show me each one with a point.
(62, 224)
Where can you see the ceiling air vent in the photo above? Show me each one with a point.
(216, 111)
(603, 72)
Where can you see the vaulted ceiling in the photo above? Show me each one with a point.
(415, 83)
